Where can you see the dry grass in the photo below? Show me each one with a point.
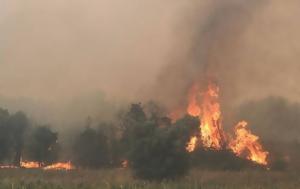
(118, 178)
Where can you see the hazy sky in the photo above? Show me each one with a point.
(54, 49)
(59, 50)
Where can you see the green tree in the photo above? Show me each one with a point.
(91, 149)
(211, 159)
(18, 123)
(4, 135)
(161, 153)
(131, 128)
(156, 149)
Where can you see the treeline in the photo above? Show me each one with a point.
(148, 142)
(18, 137)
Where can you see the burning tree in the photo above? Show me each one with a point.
(206, 106)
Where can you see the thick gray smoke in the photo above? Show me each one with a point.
(65, 60)
(249, 49)
(212, 44)
(247, 46)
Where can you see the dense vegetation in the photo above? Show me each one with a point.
(144, 138)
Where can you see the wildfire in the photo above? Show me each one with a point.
(209, 111)
(192, 144)
(30, 164)
(246, 142)
(60, 166)
(206, 106)
(36, 165)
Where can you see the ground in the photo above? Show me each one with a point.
(120, 178)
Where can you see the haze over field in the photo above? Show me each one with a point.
(69, 59)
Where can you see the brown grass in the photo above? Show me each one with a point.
(120, 178)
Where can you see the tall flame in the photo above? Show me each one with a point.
(206, 106)
(209, 111)
(246, 142)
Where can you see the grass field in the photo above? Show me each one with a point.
(120, 178)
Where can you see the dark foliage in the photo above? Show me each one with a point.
(91, 149)
(5, 140)
(219, 160)
(131, 130)
(18, 123)
(279, 165)
(156, 148)
(43, 146)
(12, 130)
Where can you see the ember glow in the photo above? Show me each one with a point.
(206, 106)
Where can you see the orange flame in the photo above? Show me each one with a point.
(192, 144)
(246, 142)
(60, 166)
(206, 106)
(209, 111)
(37, 165)
(30, 164)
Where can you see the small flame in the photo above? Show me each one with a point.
(247, 143)
(192, 144)
(30, 164)
(60, 166)
(37, 165)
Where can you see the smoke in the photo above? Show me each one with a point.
(275, 118)
(247, 47)
(62, 54)
(213, 45)
(63, 60)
